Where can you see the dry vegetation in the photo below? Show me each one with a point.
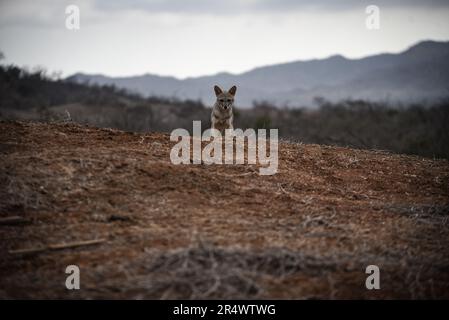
(406, 129)
(200, 231)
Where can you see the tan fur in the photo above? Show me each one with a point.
(222, 116)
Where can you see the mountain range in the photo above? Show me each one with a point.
(419, 74)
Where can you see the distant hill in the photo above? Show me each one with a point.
(419, 74)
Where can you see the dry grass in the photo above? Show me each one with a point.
(211, 231)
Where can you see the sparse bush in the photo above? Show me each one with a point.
(361, 124)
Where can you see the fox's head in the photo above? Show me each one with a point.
(225, 99)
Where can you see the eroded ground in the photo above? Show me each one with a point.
(216, 231)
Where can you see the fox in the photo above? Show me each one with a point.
(222, 116)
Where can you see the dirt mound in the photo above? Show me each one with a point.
(216, 231)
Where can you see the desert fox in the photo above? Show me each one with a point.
(222, 115)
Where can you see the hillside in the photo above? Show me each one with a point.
(405, 129)
(419, 74)
(198, 231)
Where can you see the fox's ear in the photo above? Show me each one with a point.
(233, 90)
(217, 90)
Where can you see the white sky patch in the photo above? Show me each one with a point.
(134, 41)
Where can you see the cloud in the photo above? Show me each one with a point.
(180, 37)
(256, 6)
(47, 13)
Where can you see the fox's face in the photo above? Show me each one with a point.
(225, 99)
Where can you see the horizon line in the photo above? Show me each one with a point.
(237, 73)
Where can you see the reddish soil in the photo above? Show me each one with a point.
(216, 231)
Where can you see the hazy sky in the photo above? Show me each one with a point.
(189, 38)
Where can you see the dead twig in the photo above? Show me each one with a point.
(57, 246)
(13, 220)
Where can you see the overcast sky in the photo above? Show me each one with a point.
(185, 38)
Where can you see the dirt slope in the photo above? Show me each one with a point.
(219, 231)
